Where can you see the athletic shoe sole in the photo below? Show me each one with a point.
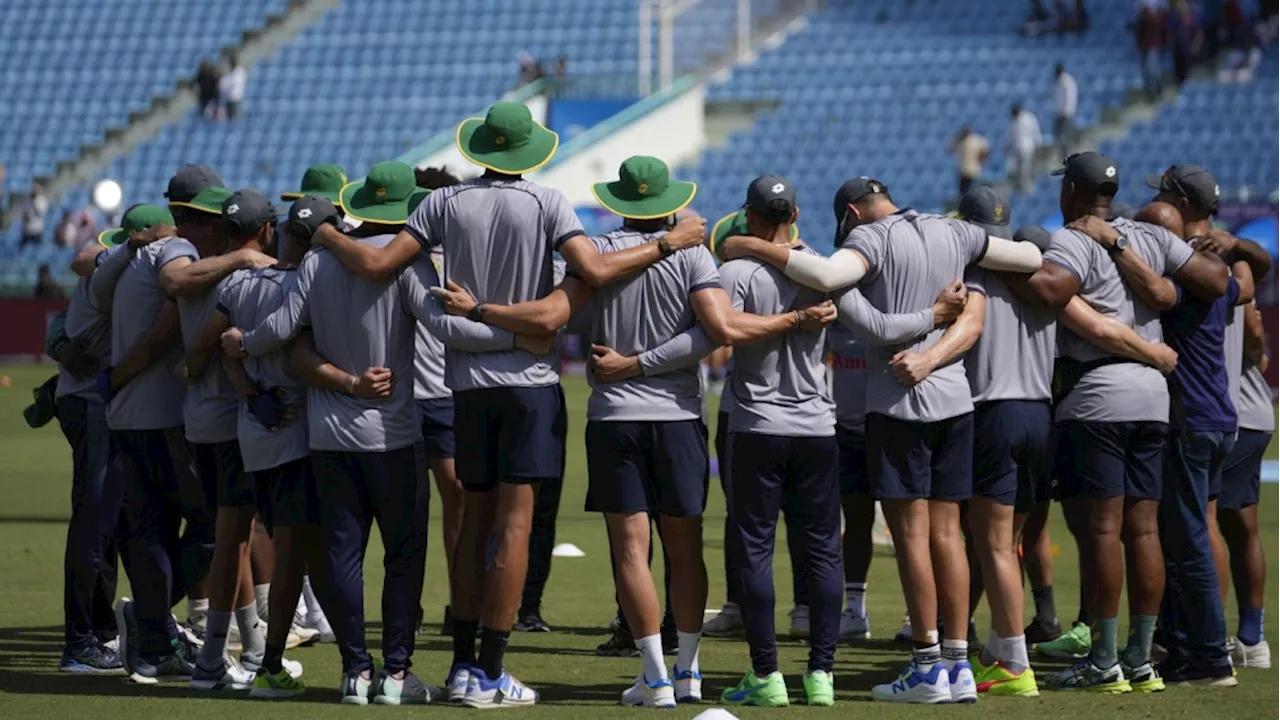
(260, 694)
(217, 685)
(76, 668)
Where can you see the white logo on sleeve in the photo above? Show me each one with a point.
(233, 209)
(1215, 191)
(777, 188)
(304, 213)
(1111, 171)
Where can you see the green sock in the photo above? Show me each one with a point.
(1103, 653)
(1141, 630)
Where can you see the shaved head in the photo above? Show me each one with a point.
(1164, 215)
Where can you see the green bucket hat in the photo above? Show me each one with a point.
(644, 190)
(325, 180)
(735, 223)
(387, 195)
(507, 140)
(139, 217)
(208, 200)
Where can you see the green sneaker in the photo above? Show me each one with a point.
(1070, 645)
(274, 686)
(818, 689)
(758, 692)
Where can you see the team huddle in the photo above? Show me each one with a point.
(219, 373)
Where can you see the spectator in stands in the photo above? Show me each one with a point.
(87, 228)
(231, 87)
(971, 151)
(529, 69)
(34, 208)
(207, 78)
(562, 68)
(433, 178)
(1151, 31)
(1065, 98)
(1025, 140)
(1188, 39)
(67, 234)
(46, 287)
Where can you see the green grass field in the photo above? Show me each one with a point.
(34, 482)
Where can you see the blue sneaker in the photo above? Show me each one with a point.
(963, 687)
(127, 626)
(93, 660)
(688, 685)
(505, 691)
(656, 694)
(913, 686)
(455, 686)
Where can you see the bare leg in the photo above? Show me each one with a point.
(909, 522)
(636, 592)
(950, 566)
(993, 526)
(1145, 558)
(469, 558)
(682, 543)
(504, 584)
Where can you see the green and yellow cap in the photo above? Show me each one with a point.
(325, 180)
(208, 200)
(138, 218)
(507, 140)
(387, 195)
(735, 223)
(644, 190)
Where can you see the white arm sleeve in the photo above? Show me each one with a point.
(1010, 256)
(826, 274)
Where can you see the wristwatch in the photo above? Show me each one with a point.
(664, 247)
(1121, 244)
(476, 313)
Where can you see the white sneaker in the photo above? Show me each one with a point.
(658, 694)
(293, 667)
(800, 621)
(456, 684)
(904, 633)
(318, 622)
(963, 687)
(688, 685)
(726, 623)
(407, 691)
(306, 636)
(505, 691)
(230, 676)
(1249, 656)
(913, 686)
(854, 627)
(113, 644)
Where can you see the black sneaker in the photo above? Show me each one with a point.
(1042, 631)
(446, 627)
(169, 667)
(531, 622)
(93, 660)
(1197, 675)
(620, 644)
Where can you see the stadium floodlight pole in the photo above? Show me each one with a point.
(644, 84)
(666, 43)
(744, 28)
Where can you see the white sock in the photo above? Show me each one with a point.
(261, 593)
(687, 657)
(1013, 653)
(313, 603)
(855, 598)
(197, 610)
(655, 667)
(993, 650)
(954, 651)
(252, 640)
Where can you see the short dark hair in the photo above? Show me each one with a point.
(189, 216)
(43, 268)
(434, 178)
(1059, 69)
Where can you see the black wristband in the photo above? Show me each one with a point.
(477, 313)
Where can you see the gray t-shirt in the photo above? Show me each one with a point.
(210, 410)
(911, 257)
(358, 325)
(247, 298)
(428, 356)
(153, 400)
(1125, 391)
(1233, 352)
(1255, 408)
(862, 326)
(780, 384)
(1013, 358)
(639, 313)
(498, 238)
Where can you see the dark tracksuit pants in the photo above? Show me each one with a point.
(732, 578)
(354, 489)
(161, 492)
(97, 498)
(770, 472)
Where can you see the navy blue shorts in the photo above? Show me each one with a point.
(1097, 460)
(647, 466)
(511, 434)
(920, 460)
(854, 479)
(1011, 451)
(437, 427)
(221, 467)
(288, 494)
(1242, 470)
